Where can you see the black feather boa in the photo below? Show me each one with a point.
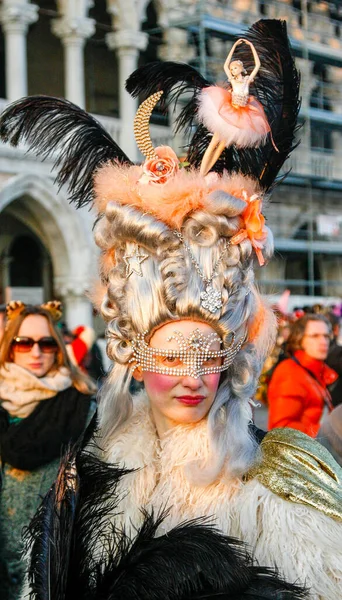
(77, 552)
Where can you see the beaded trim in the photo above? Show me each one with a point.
(193, 354)
(239, 99)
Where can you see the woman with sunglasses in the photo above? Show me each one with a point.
(44, 406)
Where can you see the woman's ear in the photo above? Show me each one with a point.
(138, 374)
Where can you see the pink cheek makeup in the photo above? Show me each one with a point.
(159, 383)
(212, 380)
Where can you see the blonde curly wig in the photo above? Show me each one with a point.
(170, 288)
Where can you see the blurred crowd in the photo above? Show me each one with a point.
(301, 382)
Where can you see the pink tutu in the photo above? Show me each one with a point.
(244, 126)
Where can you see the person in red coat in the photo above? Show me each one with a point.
(298, 392)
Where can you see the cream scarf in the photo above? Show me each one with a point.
(21, 391)
(304, 544)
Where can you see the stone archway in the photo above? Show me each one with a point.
(65, 234)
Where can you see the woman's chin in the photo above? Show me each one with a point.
(188, 415)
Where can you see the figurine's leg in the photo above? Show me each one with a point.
(212, 154)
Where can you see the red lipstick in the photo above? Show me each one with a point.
(190, 400)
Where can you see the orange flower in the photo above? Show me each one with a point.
(160, 169)
(254, 228)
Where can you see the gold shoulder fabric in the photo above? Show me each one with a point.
(299, 469)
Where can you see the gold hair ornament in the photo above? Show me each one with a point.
(142, 125)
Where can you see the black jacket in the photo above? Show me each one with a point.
(334, 361)
(42, 436)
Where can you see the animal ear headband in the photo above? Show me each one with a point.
(16, 307)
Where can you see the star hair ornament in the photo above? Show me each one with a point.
(133, 262)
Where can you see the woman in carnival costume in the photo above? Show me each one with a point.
(185, 318)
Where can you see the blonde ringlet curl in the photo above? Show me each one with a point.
(169, 290)
(108, 310)
(124, 223)
(206, 230)
(221, 203)
(118, 347)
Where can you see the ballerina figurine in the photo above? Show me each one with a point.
(232, 115)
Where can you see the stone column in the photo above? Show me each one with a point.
(73, 31)
(308, 81)
(46, 271)
(15, 17)
(6, 264)
(127, 43)
(176, 48)
(78, 309)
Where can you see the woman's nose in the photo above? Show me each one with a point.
(193, 383)
(36, 349)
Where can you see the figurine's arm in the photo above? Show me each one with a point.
(256, 61)
(229, 58)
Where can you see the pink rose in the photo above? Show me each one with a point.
(161, 168)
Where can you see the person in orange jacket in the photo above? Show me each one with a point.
(298, 393)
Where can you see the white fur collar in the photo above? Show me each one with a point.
(304, 544)
(160, 479)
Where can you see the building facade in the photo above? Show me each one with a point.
(84, 50)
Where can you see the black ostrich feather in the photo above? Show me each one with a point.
(48, 537)
(60, 521)
(167, 76)
(276, 86)
(78, 551)
(51, 125)
(190, 562)
(174, 79)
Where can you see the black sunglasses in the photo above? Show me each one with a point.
(47, 345)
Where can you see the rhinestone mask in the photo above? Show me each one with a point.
(194, 356)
